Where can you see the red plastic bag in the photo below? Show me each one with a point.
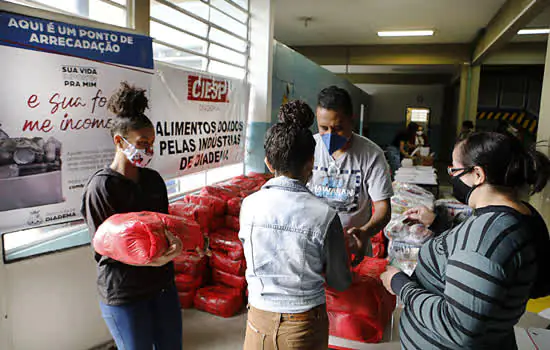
(379, 237)
(365, 308)
(237, 282)
(187, 299)
(216, 205)
(219, 300)
(199, 213)
(234, 206)
(227, 242)
(353, 327)
(219, 191)
(371, 267)
(244, 182)
(378, 250)
(185, 283)
(259, 176)
(189, 232)
(222, 262)
(217, 223)
(232, 222)
(191, 264)
(140, 238)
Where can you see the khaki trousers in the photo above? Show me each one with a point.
(274, 331)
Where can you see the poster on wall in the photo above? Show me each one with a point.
(54, 125)
(200, 120)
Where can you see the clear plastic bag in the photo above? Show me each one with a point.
(407, 266)
(403, 251)
(408, 196)
(398, 230)
(453, 210)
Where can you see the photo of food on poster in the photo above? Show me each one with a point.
(54, 124)
(200, 120)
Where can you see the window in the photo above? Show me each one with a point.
(114, 12)
(418, 115)
(206, 35)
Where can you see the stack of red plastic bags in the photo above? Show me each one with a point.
(362, 312)
(216, 285)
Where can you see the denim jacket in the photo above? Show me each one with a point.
(291, 240)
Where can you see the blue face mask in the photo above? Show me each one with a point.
(333, 142)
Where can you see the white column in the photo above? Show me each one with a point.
(542, 200)
(260, 72)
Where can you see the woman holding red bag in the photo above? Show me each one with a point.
(139, 303)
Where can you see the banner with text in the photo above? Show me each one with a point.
(200, 120)
(54, 125)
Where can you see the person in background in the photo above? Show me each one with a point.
(420, 139)
(350, 171)
(139, 304)
(404, 141)
(467, 130)
(472, 282)
(293, 242)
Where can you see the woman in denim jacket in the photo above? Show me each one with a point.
(293, 243)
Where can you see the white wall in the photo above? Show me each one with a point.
(53, 302)
(389, 102)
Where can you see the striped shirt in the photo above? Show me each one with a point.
(472, 283)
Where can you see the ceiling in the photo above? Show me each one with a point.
(356, 22)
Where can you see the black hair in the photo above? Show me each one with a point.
(468, 124)
(412, 128)
(289, 144)
(336, 99)
(128, 103)
(506, 162)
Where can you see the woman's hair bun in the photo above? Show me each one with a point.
(128, 101)
(296, 113)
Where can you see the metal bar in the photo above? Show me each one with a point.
(191, 52)
(197, 36)
(131, 13)
(198, 18)
(225, 13)
(159, 21)
(115, 4)
(239, 6)
(247, 46)
(179, 48)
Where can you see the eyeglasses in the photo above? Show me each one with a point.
(453, 171)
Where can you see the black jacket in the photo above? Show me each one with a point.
(108, 193)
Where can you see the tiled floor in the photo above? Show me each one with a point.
(202, 331)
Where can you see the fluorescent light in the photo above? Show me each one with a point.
(406, 33)
(534, 31)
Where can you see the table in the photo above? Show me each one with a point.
(423, 176)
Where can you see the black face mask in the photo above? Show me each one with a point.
(461, 191)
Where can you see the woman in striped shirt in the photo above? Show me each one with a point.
(473, 281)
